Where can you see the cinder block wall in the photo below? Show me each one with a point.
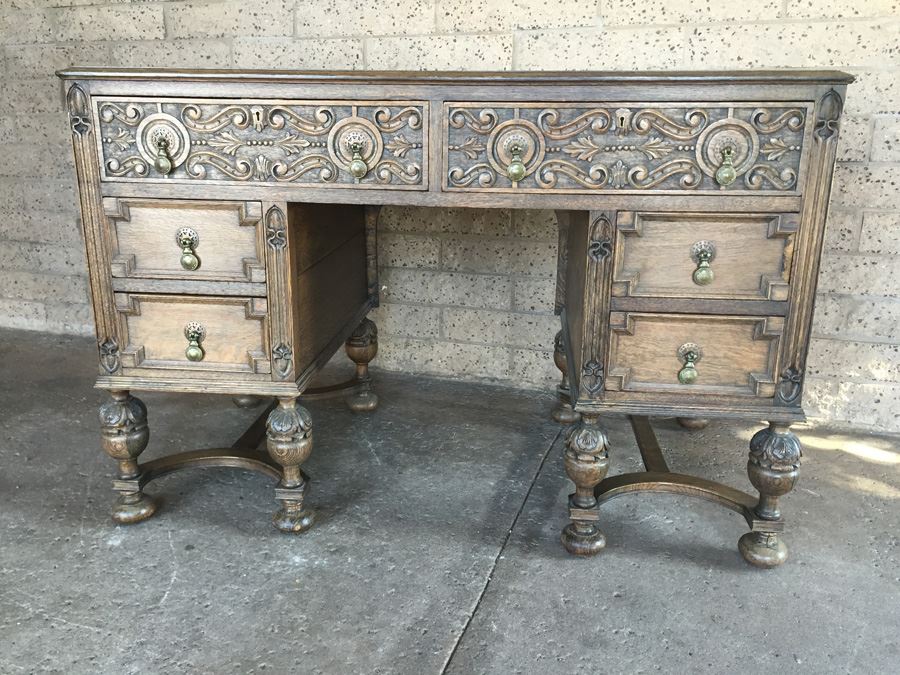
(469, 293)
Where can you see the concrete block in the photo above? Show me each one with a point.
(446, 359)
(141, 21)
(841, 9)
(658, 12)
(865, 186)
(337, 54)
(46, 258)
(881, 233)
(416, 219)
(855, 139)
(842, 359)
(862, 44)
(534, 369)
(886, 140)
(861, 404)
(446, 288)
(489, 255)
(857, 318)
(178, 54)
(842, 230)
(227, 19)
(22, 314)
(416, 321)
(444, 52)
(859, 274)
(71, 319)
(874, 93)
(339, 18)
(535, 224)
(401, 250)
(33, 224)
(36, 61)
(472, 16)
(534, 295)
(26, 285)
(581, 49)
(38, 94)
(22, 26)
(500, 328)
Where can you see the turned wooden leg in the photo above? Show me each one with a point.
(563, 412)
(124, 435)
(362, 347)
(692, 423)
(289, 442)
(586, 460)
(246, 400)
(773, 467)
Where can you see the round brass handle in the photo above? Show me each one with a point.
(194, 332)
(358, 166)
(163, 162)
(703, 253)
(689, 354)
(188, 240)
(726, 173)
(515, 171)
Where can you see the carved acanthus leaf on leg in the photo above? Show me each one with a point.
(586, 460)
(289, 442)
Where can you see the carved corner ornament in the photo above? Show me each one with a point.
(600, 246)
(109, 355)
(276, 236)
(592, 377)
(281, 359)
(790, 386)
(79, 112)
(829, 112)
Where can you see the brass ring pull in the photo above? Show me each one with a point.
(726, 173)
(689, 354)
(703, 253)
(163, 162)
(188, 240)
(194, 332)
(516, 169)
(358, 166)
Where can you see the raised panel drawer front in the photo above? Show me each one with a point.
(193, 334)
(626, 147)
(694, 255)
(693, 354)
(363, 144)
(194, 240)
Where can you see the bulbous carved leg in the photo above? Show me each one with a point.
(692, 423)
(289, 442)
(563, 412)
(586, 460)
(124, 435)
(773, 467)
(362, 347)
(246, 400)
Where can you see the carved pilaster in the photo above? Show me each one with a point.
(279, 264)
(595, 336)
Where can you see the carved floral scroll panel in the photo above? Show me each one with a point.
(676, 147)
(264, 141)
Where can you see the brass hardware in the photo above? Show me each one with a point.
(163, 162)
(358, 166)
(516, 169)
(194, 332)
(689, 354)
(188, 239)
(703, 253)
(726, 174)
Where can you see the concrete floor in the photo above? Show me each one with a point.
(436, 547)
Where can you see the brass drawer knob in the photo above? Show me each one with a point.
(703, 253)
(515, 171)
(689, 354)
(163, 162)
(188, 240)
(194, 332)
(358, 166)
(726, 174)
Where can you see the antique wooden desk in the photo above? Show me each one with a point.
(230, 224)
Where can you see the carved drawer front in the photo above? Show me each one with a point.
(626, 147)
(209, 241)
(693, 354)
(194, 333)
(362, 144)
(730, 256)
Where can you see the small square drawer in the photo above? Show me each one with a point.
(194, 240)
(692, 354)
(193, 334)
(732, 256)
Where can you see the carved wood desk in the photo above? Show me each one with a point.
(230, 223)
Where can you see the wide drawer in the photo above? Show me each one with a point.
(730, 355)
(694, 255)
(223, 334)
(194, 240)
(627, 146)
(362, 144)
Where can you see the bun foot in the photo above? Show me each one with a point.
(246, 400)
(692, 423)
(564, 414)
(763, 549)
(293, 521)
(363, 401)
(582, 539)
(133, 508)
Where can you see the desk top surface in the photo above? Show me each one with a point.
(785, 75)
